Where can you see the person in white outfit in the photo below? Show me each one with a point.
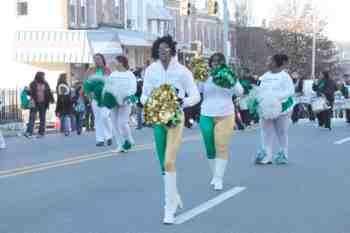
(167, 70)
(217, 119)
(121, 113)
(276, 87)
(103, 124)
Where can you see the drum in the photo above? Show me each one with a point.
(346, 104)
(319, 104)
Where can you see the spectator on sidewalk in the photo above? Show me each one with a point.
(64, 107)
(42, 96)
(79, 108)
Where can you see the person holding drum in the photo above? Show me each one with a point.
(325, 87)
(275, 103)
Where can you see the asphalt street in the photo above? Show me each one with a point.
(66, 185)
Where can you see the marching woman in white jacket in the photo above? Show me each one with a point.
(275, 100)
(121, 113)
(167, 70)
(218, 117)
(103, 122)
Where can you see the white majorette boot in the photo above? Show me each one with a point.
(212, 169)
(172, 198)
(220, 167)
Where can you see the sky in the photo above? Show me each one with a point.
(337, 13)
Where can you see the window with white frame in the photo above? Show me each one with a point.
(73, 13)
(83, 12)
(92, 13)
(22, 8)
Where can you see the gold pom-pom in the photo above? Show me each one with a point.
(162, 107)
(199, 69)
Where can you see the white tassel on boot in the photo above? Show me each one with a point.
(212, 168)
(220, 167)
(172, 198)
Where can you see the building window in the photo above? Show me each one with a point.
(83, 12)
(73, 13)
(22, 8)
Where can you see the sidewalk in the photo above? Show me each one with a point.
(17, 129)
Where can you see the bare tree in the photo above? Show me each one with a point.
(292, 31)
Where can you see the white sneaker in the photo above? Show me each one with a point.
(169, 217)
(218, 186)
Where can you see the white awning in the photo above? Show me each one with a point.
(158, 13)
(64, 46)
(134, 39)
(104, 42)
(52, 46)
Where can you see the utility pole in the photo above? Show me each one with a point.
(226, 26)
(313, 65)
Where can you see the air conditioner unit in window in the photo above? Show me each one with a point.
(131, 24)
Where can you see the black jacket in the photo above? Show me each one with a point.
(48, 96)
(64, 105)
(328, 89)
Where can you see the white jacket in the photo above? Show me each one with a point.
(176, 75)
(217, 101)
(280, 84)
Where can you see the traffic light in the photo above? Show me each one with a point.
(216, 7)
(213, 7)
(185, 8)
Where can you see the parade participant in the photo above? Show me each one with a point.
(167, 70)
(326, 87)
(275, 104)
(347, 85)
(121, 80)
(217, 118)
(2, 139)
(247, 82)
(103, 124)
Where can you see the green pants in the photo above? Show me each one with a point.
(217, 132)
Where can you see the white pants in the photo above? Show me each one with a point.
(121, 128)
(2, 141)
(103, 124)
(275, 129)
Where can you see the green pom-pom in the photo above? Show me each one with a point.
(109, 100)
(94, 87)
(224, 77)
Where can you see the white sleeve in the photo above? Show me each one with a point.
(193, 96)
(238, 89)
(287, 87)
(147, 86)
(133, 84)
(200, 86)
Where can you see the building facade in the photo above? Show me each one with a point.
(200, 27)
